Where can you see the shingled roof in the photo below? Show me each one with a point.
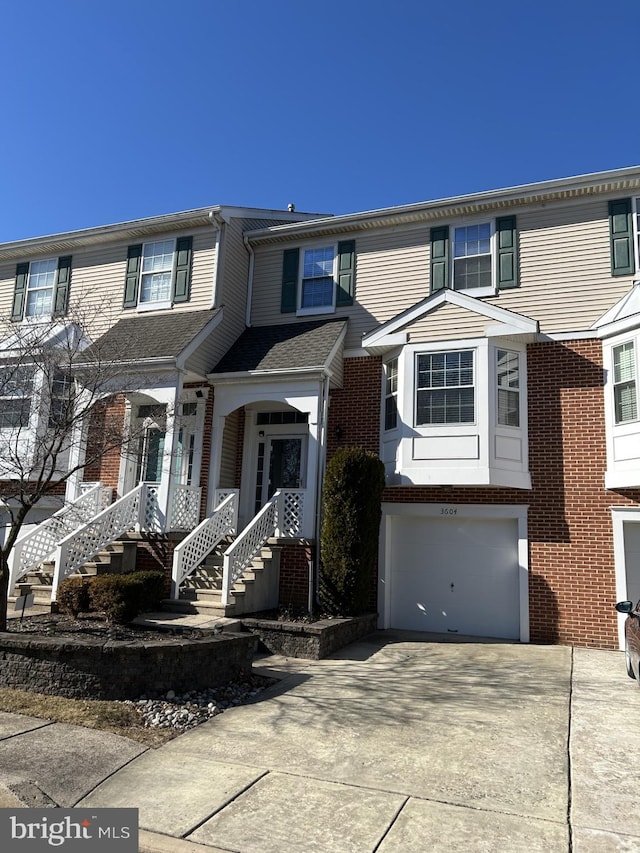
(273, 348)
(153, 336)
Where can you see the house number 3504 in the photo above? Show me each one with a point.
(448, 510)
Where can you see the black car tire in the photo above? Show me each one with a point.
(628, 664)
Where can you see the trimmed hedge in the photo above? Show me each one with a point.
(120, 597)
(353, 486)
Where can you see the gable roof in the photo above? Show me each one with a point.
(287, 347)
(155, 337)
(626, 180)
(623, 316)
(506, 323)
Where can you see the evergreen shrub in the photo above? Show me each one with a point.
(352, 498)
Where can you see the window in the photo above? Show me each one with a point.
(158, 273)
(157, 269)
(391, 395)
(445, 388)
(318, 279)
(61, 402)
(472, 256)
(480, 257)
(42, 279)
(41, 288)
(624, 383)
(508, 382)
(16, 390)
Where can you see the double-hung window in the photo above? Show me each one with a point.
(391, 395)
(158, 273)
(319, 278)
(477, 257)
(508, 383)
(472, 257)
(624, 383)
(16, 391)
(41, 288)
(445, 392)
(157, 270)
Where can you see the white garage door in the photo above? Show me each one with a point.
(632, 559)
(455, 575)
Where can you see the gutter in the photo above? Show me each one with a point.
(249, 248)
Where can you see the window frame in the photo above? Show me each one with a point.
(508, 390)
(23, 402)
(31, 289)
(156, 304)
(390, 397)
(325, 308)
(485, 290)
(633, 382)
(435, 388)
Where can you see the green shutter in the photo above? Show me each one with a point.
(507, 241)
(134, 254)
(346, 272)
(289, 294)
(621, 234)
(19, 292)
(182, 282)
(439, 258)
(63, 278)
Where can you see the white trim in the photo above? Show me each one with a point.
(510, 322)
(474, 511)
(620, 516)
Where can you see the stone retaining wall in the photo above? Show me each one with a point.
(312, 640)
(122, 669)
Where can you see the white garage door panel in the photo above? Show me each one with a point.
(455, 576)
(632, 559)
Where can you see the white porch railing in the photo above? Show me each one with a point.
(81, 545)
(281, 516)
(39, 544)
(193, 549)
(185, 507)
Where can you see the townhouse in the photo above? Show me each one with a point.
(485, 346)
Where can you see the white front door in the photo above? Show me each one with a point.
(280, 465)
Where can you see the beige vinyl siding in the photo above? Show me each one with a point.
(565, 267)
(447, 322)
(391, 274)
(565, 274)
(98, 277)
(229, 450)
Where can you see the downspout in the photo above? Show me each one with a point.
(249, 248)
(217, 222)
(314, 564)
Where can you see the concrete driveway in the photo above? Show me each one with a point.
(398, 745)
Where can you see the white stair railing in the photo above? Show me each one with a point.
(193, 549)
(281, 516)
(37, 545)
(83, 544)
(185, 507)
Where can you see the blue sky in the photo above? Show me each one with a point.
(135, 108)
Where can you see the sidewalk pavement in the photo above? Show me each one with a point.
(395, 745)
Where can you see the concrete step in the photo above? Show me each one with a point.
(211, 609)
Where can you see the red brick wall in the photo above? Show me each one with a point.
(294, 576)
(572, 573)
(105, 427)
(354, 410)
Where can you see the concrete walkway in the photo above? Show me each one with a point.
(396, 745)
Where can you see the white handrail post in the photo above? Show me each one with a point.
(279, 513)
(142, 506)
(226, 580)
(59, 558)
